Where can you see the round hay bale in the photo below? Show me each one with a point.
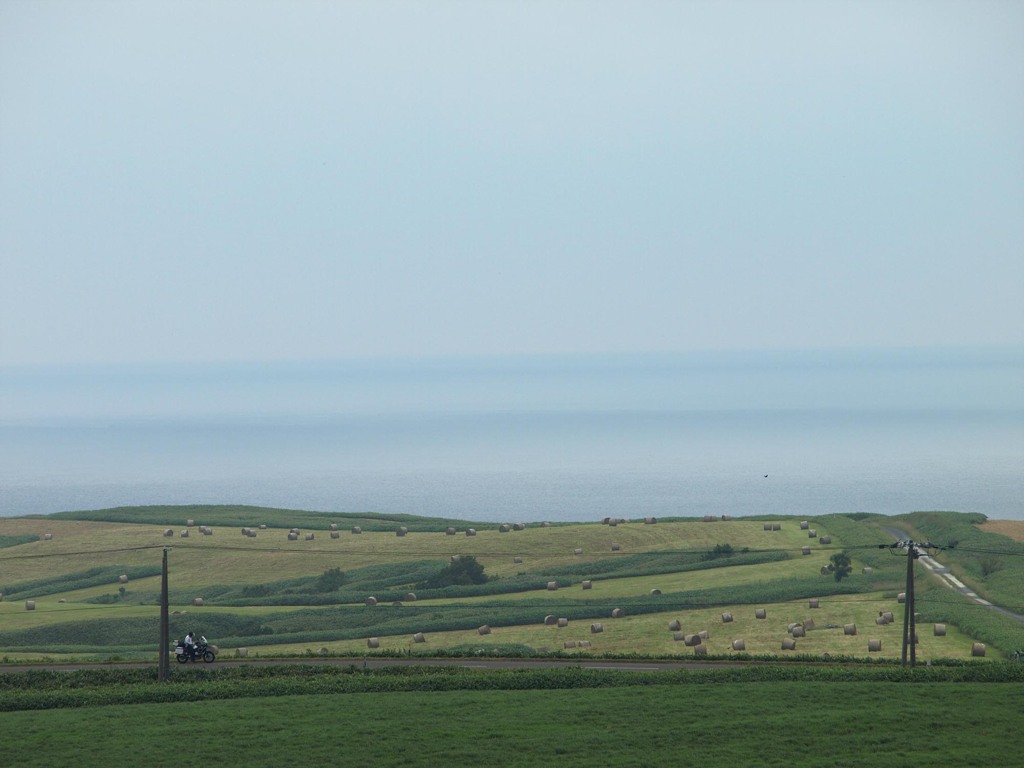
(678, 636)
(726, 617)
(504, 528)
(296, 530)
(788, 644)
(552, 586)
(197, 601)
(849, 629)
(293, 536)
(776, 526)
(804, 525)
(252, 534)
(245, 531)
(577, 551)
(650, 520)
(867, 570)
(545, 524)
(880, 620)
(453, 559)
(812, 534)
(901, 598)
(190, 522)
(263, 526)
(323, 651)
(767, 526)
(812, 603)
(396, 603)
(309, 536)
(710, 519)
(371, 601)
(618, 613)
(760, 613)
(30, 605)
(978, 649)
(563, 623)
(373, 642)
(333, 527)
(123, 578)
(704, 634)
(808, 624)
(824, 570)
(874, 646)
(799, 631)
(356, 529)
(583, 643)
(401, 531)
(588, 584)
(655, 592)
(739, 645)
(940, 630)
(471, 531)
(825, 540)
(700, 650)
(517, 560)
(805, 550)
(550, 620)
(168, 532)
(419, 638)
(692, 640)
(605, 520)
(518, 526)
(449, 531)
(888, 616)
(335, 534)
(613, 522)
(616, 547)
(675, 625)
(241, 652)
(596, 628)
(184, 534)
(569, 644)
(484, 630)
(727, 517)
(410, 597)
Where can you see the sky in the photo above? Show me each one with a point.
(279, 181)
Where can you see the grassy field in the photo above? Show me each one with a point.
(260, 593)
(784, 723)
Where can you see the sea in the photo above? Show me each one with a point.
(527, 438)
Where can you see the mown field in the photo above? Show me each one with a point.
(266, 595)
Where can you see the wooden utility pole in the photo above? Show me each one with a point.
(909, 624)
(165, 640)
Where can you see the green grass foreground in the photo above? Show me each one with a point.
(728, 717)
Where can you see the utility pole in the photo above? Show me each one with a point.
(165, 640)
(909, 619)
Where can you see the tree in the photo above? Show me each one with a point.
(840, 566)
(328, 581)
(464, 570)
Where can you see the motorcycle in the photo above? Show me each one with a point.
(200, 650)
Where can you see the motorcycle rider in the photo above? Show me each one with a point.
(190, 644)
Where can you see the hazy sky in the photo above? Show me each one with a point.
(286, 180)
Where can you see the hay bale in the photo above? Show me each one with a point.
(471, 531)
(588, 584)
(596, 628)
(504, 528)
(577, 551)
(726, 517)
(334, 534)
(888, 616)
(901, 598)
(824, 570)
(518, 526)
(880, 620)
(241, 652)
(206, 530)
(449, 531)
(978, 649)
(563, 623)
(650, 520)
(296, 530)
(804, 525)
(739, 645)
(309, 536)
(263, 526)
(168, 532)
(402, 530)
(184, 534)
(849, 629)
(710, 519)
(517, 560)
(323, 651)
(569, 644)
(825, 540)
(704, 634)
(812, 603)
(419, 638)
(940, 630)
(545, 524)
(618, 613)
(356, 529)
(371, 601)
(373, 642)
(799, 631)
(767, 526)
(867, 570)
(675, 625)
(30, 605)
(245, 531)
(123, 578)
(583, 643)
(760, 613)
(692, 640)
(812, 533)
(616, 547)
(805, 550)
(333, 527)
(776, 526)
(726, 617)
(484, 630)
(292, 536)
(190, 522)
(252, 534)
(808, 624)
(197, 601)
(552, 586)
(613, 522)
(605, 520)
(874, 646)
(396, 603)
(700, 650)
(410, 597)
(788, 644)
(678, 636)
(453, 559)
(655, 592)
(550, 620)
